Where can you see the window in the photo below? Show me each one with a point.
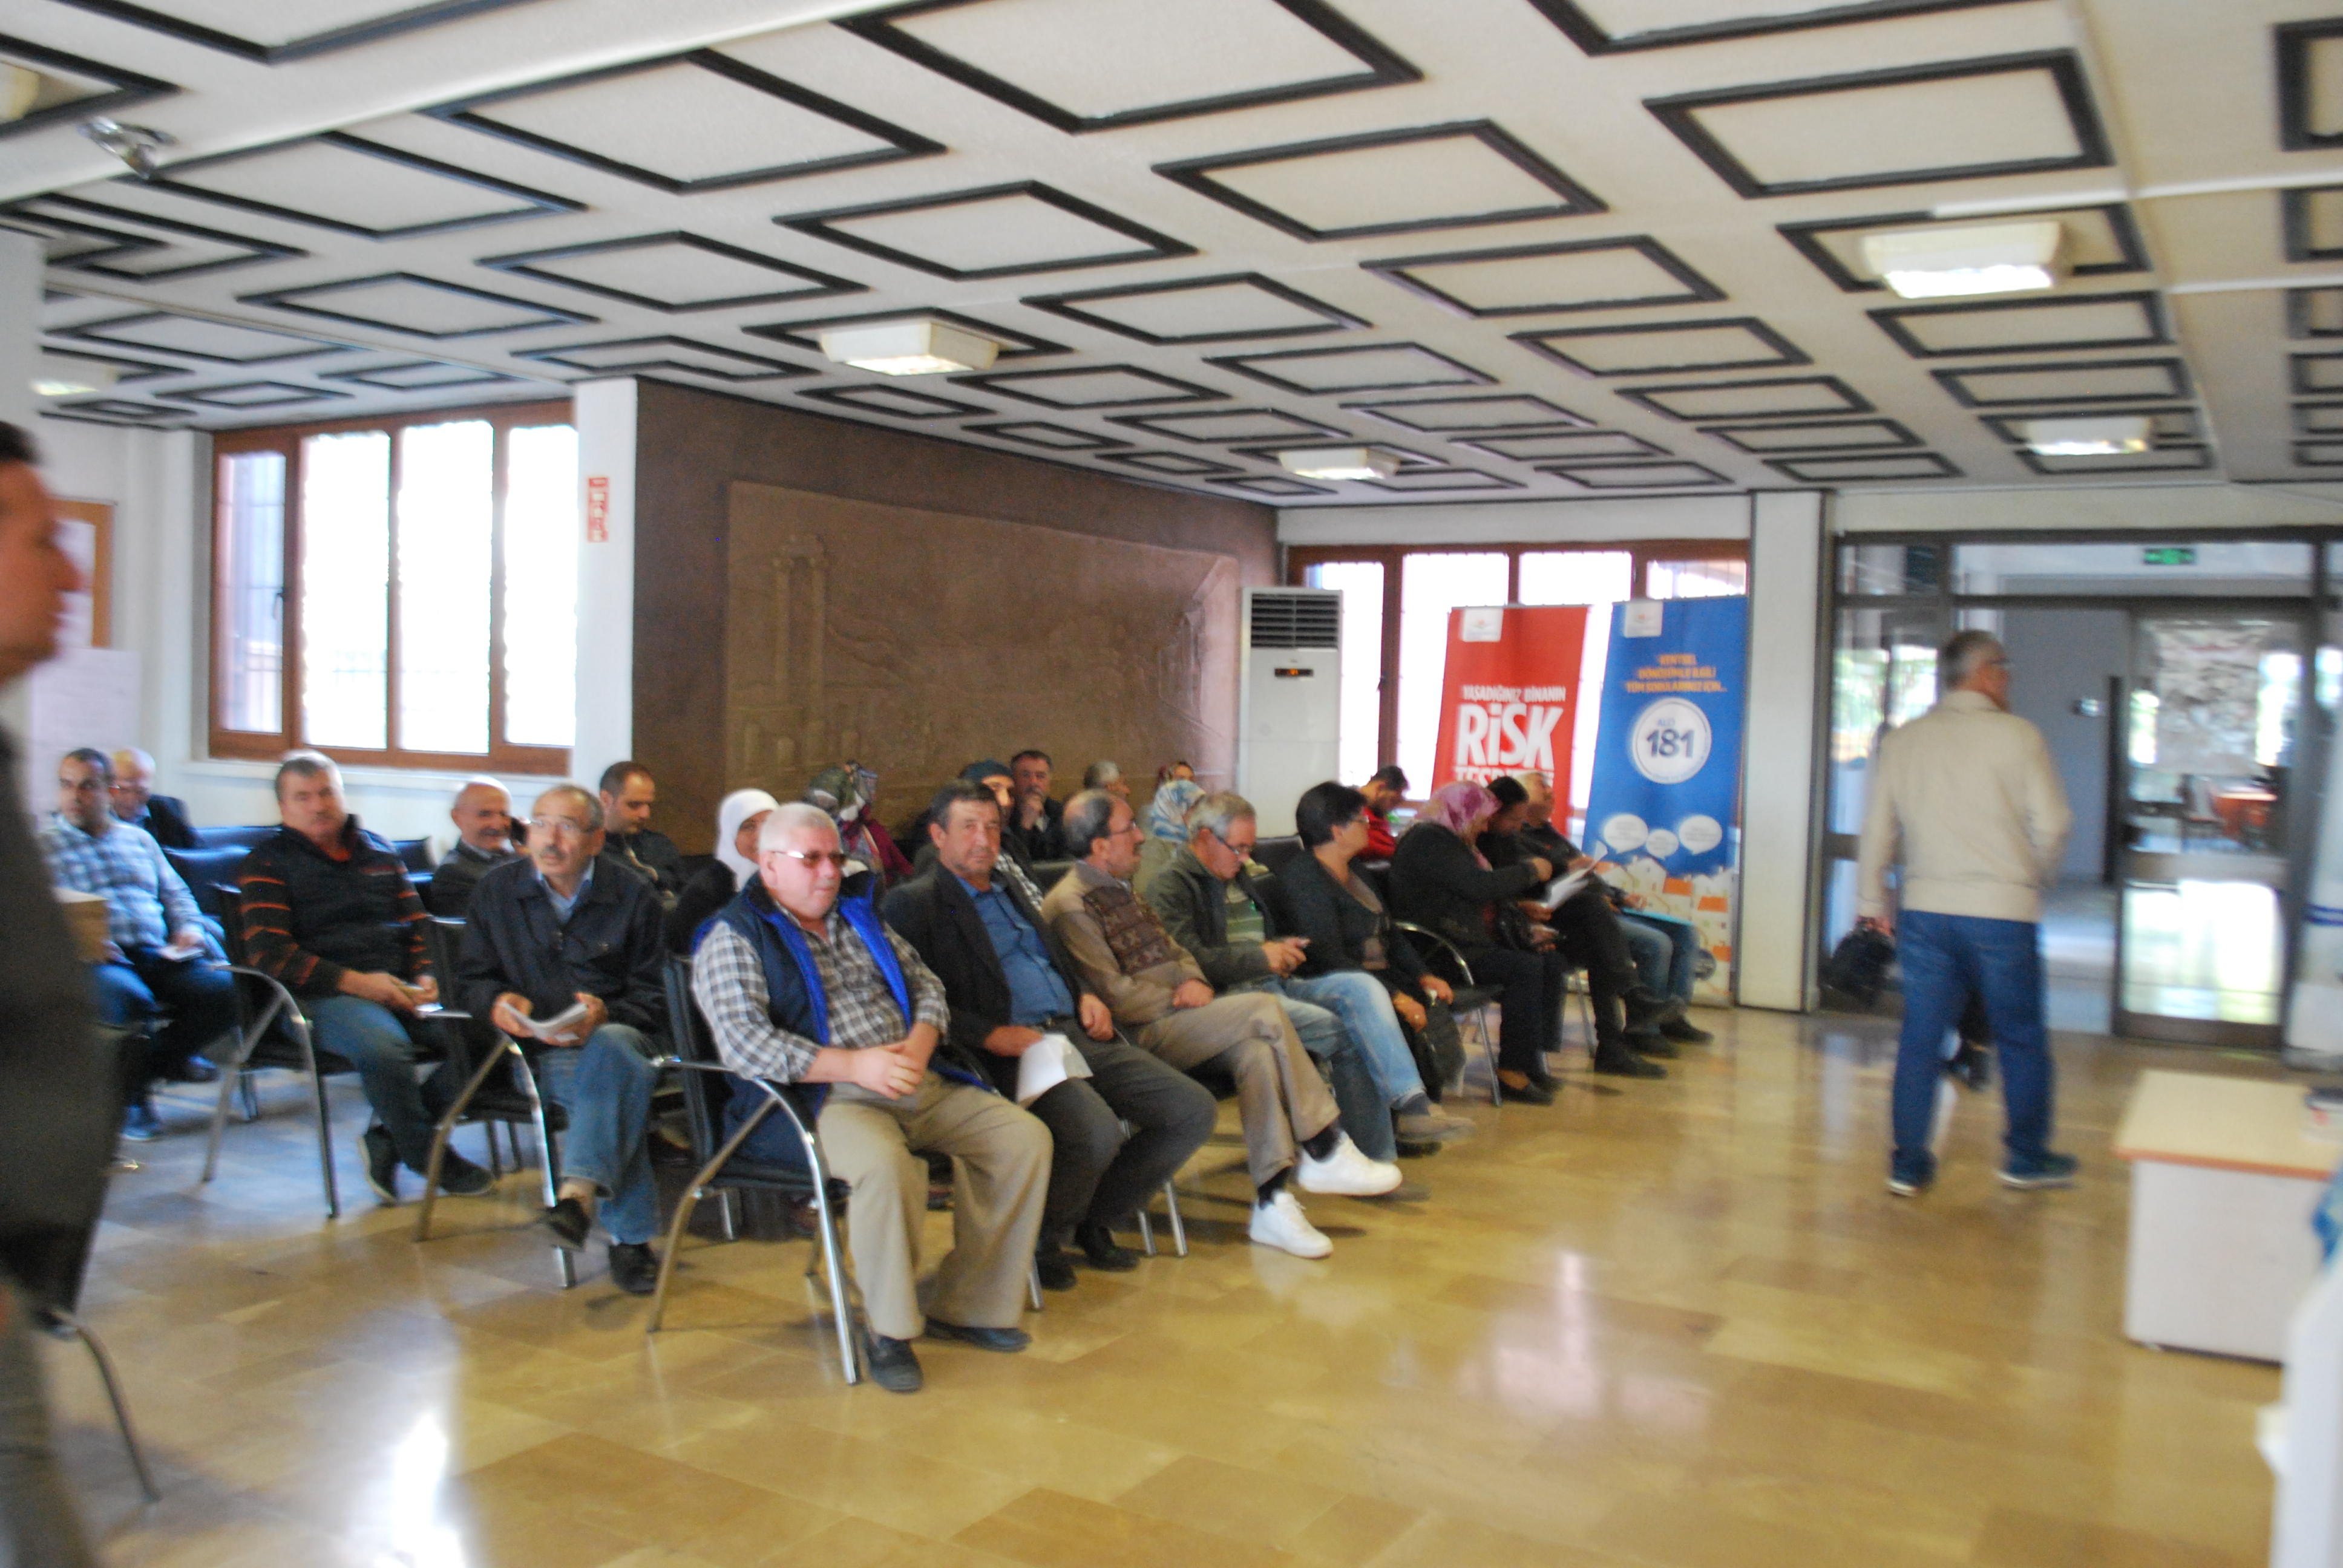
(1695, 579)
(1359, 719)
(1430, 586)
(401, 592)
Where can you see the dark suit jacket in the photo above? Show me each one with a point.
(166, 823)
(1313, 905)
(934, 914)
(1436, 882)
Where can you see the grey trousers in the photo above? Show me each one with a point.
(39, 1525)
(1281, 1097)
(1001, 1157)
(1097, 1176)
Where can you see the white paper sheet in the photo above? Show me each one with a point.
(1047, 1063)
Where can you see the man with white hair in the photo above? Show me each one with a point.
(483, 817)
(1107, 776)
(1969, 794)
(135, 804)
(802, 987)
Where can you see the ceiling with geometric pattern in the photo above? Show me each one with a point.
(1540, 249)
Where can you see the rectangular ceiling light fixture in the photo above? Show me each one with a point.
(61, 376)
(1341, 462)
(1945, 263)
(918, 347)
(2114, 435)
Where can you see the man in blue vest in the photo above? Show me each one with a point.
(802, 987)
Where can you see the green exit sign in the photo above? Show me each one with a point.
(2169, 555)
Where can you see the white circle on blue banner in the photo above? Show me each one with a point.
(1700, 833)
(1661, 844)
(1670, 741)
(1624, 831)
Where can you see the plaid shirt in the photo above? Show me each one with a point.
(728, 978)
(145, 901)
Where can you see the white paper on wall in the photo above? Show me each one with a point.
(84, 697)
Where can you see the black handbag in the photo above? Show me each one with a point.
(1858, 965)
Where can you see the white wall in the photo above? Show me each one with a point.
(605, 412)
(2139, 505)
(1519, 522)
(1779, 788)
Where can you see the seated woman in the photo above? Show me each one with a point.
(741, 813)
(1322, 899)
(1167, 830)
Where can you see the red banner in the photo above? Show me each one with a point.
(1509, 698)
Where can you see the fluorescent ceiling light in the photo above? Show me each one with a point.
(59, 376)
(1944, 262)
(2106, 437)
(1341, 462)
(918, 347)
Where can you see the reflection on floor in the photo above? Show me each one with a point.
(2203, 950)
(1675, 1324)
(2079, 957)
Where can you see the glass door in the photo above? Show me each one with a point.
(2210, 718)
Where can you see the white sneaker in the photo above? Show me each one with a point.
(1281, 1223)
(1347, 1173)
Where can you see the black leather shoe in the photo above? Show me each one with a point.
(567, 1223)
(1530, 1093)
(1102, 1251)
(197, 1069)
(893, 1365)
(1056, 1271)
(1683, 1032)
(1003, 1339)
(1652, 1042)
(381, 1158)
(634, 1267)
(1621, 1063)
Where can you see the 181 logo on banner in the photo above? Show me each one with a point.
(1670, 741)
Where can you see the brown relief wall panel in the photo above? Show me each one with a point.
(968, 603)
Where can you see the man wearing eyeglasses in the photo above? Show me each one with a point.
(802, 987)
(547, 936)
(1969, 794)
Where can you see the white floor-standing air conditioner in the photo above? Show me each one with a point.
(1290, 706)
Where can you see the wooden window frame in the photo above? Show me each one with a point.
(1299, 558)
(501, 755)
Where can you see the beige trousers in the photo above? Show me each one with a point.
(1002, 1157)
(1281, 1098)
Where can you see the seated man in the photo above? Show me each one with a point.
(1664, 952)
(1033, 817)
(800, 987)
(329, 912)
(1384, 791)
(162, 963)
(546, 935)
(1207, 900)
(628, 794)
(165, 816)
(1009, 981)
(1159, 994)
(1106, 775)
(483, 818)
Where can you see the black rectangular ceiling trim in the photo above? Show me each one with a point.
(1308, 432)
(1680, 112)
(358, 33)
(1590, 35)
(1833, 471)
(1065, 305)
(2187, 459)
(1652, 397)
(2006, 426)
(1892, 434)
(818, 285)
(1012, 384)
(1572, 446)
(1388, 409)
(474, 376)
(288, 300)
(86, 331)
(765, 369)
(262, 249)
(937, 408)
(129, 87)
(1696, 288)
(1247, 365)
(1541, 341)
(2132, 251)
(901, 143)
(208, 396)
(807, 334)
(1891, 320)
(1574, 472)
(538, 202)
(1061, 438)
(1154, 247)
(2294, 207)
(1384, 68)
(2292, 40)
(1575, 200)
(1955, 382)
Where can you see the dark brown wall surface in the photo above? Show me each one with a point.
(692, 448)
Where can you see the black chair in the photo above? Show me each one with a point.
(707, 1087)
(1276, 854)
(512, 1099)
(1048, 874)
(416, 855)
(233, 838)
(207, 868)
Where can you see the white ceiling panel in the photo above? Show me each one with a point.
(220, 341)
(346, 183)
(1206, 310)
(2112, 321)
(1651, 347)
(1368, 367)
(275, 22)
(673, 272)
(993, 233)
(422, 306)
(1524, 280)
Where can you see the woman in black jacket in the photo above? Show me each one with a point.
(1322, 899)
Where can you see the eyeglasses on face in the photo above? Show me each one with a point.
(814, 859)
(557, 828)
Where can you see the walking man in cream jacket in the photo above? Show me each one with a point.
(1969, 795)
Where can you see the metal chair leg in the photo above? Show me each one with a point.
(849, 1354)
(1033, 1285)
(325, 1119)
(698, 1189)
(248, 1094)
(440, 1135)
(236, 1076)
(1489, 1048)
(1171, 1212)
(1146, 1234)
(550, 1159)
(67, 1322)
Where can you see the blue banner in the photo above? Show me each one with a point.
(1667, 753)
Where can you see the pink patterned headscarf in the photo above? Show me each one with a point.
(1456, 807)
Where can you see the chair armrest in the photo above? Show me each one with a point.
(1441, 942)
(773, 1097)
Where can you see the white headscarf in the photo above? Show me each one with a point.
(738, 808)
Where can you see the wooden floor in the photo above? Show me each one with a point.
(1673, 1324)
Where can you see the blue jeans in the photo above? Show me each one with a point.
(374, 1040)
(1365, 1112)
(1945, 957)
(1364, 1005)
(606, 1086)
(1666, 953)
(195, 999)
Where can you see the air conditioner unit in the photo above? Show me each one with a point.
(1290, 709)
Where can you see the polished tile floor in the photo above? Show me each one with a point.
(1677, 1324)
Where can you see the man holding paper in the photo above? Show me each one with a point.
(559, 958)
(1020, 1007)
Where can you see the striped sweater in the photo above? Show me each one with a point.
(308, 918)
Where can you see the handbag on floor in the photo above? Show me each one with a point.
(1858, 965)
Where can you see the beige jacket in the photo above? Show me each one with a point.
(1116, 941)
(1970, 795)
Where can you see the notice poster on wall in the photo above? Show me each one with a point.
(1660, 815)
(1509, 696)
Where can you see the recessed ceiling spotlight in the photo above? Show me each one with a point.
(1944, 263)
(2112, 436)
(59, 376)
(914, 347)
(134, 144)
(1341, 462)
